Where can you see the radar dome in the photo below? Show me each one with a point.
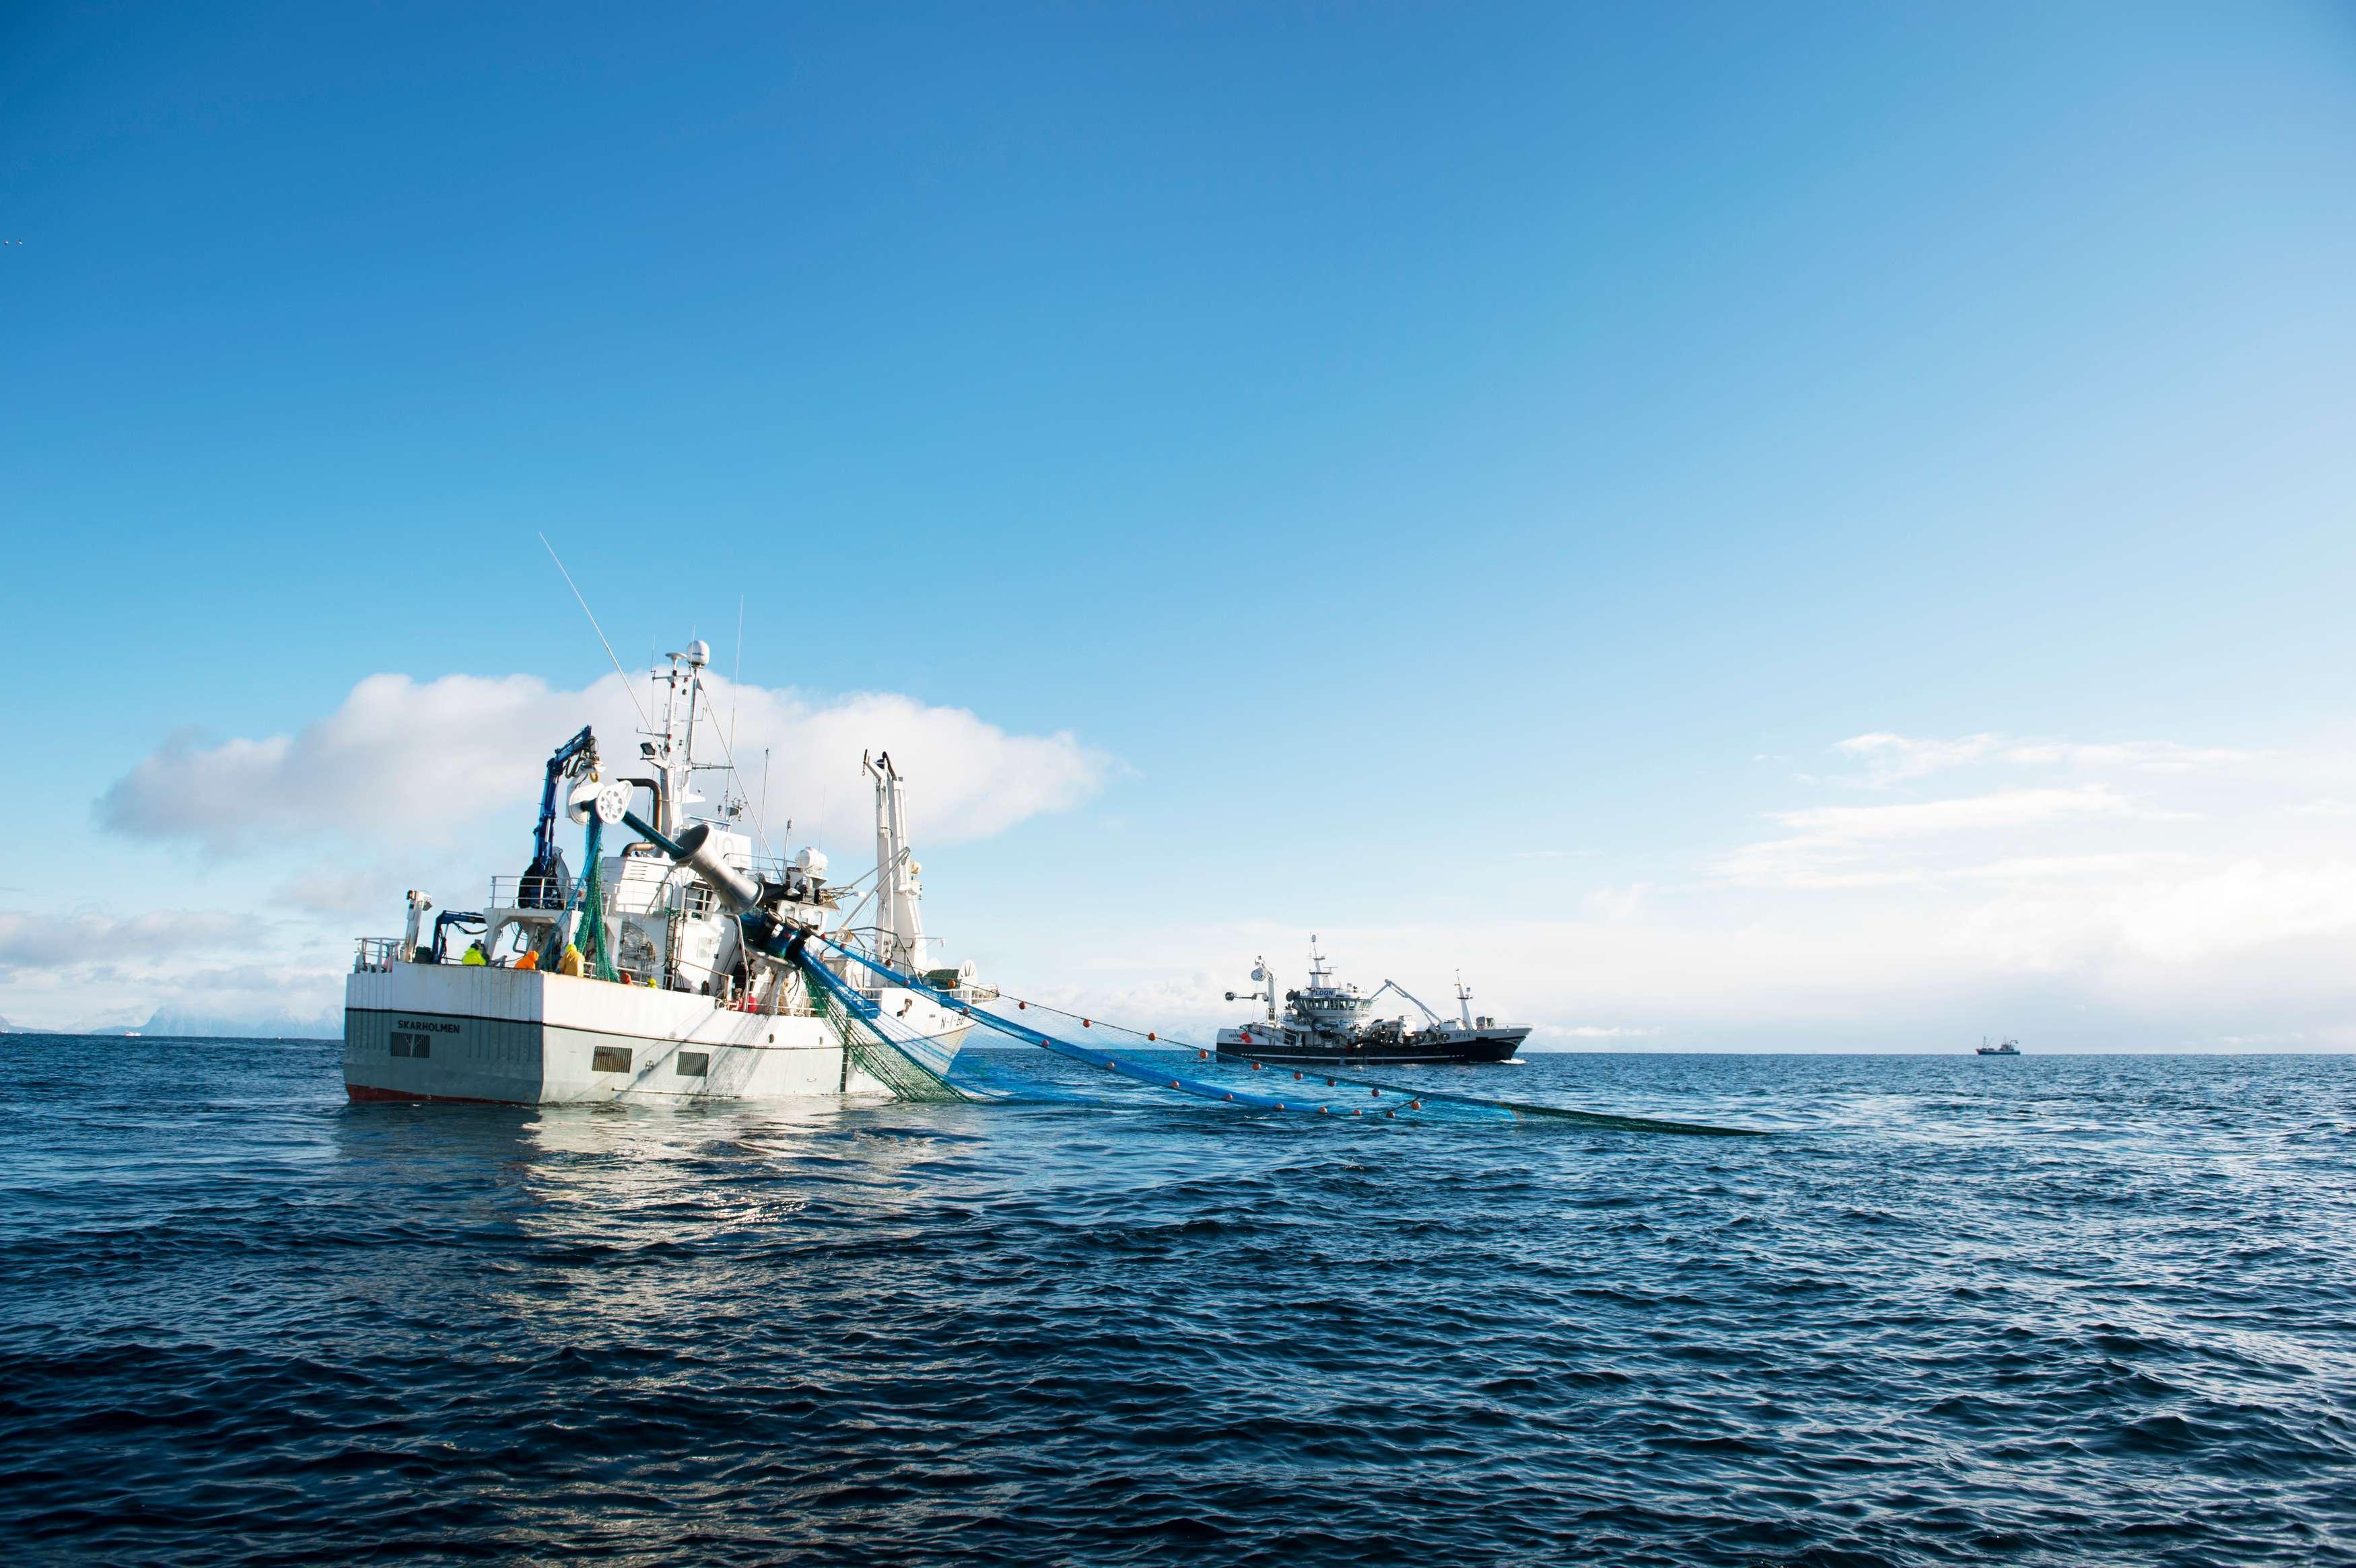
(699, 651)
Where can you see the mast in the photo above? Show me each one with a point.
(1267, 978)
(899, 912)
(674, 748)
(1464, 1000)
(665, 753)
(698, 652)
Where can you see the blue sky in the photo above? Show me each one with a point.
(1457, 475)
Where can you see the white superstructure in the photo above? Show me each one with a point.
(635, 979)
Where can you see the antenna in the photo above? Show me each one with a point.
(644, 721)
(735, 686)
(729, 751)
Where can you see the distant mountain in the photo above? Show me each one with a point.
(185, 1023)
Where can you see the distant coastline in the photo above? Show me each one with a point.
(127, 1032)
(169, 1024)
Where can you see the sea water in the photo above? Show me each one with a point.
(2053, 1309)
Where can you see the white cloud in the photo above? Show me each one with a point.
(2242, 905)
(85, 969)
(43, 942)
(968, 779)
(2194, 927)
(432, 784)
(338, 892)
(401, 761)
(396, 757)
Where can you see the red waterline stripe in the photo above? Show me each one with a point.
(367, 1094)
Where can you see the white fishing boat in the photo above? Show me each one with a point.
(673, 969)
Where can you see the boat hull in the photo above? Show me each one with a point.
(1459, 1047)
(474, 1034)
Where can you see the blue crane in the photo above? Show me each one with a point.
(543, 880)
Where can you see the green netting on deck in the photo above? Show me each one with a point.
(596, 944)
(875, 1056)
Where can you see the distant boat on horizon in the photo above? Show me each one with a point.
(2004, 1048)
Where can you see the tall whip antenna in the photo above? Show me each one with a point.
(644, 722)
(735, 686)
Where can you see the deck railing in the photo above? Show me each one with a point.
(530, 893)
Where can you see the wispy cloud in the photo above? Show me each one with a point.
(1891, 759)
(2005, 808)
(1863, 846)
(2076, 868)
(1614, 906)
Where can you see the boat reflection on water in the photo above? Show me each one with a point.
(626, 1221)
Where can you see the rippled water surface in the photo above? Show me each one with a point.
(2048, 1310)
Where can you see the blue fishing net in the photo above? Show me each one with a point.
(1196, 1075)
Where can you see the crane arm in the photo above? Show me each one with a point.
(564, 763)
(1402, 991)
